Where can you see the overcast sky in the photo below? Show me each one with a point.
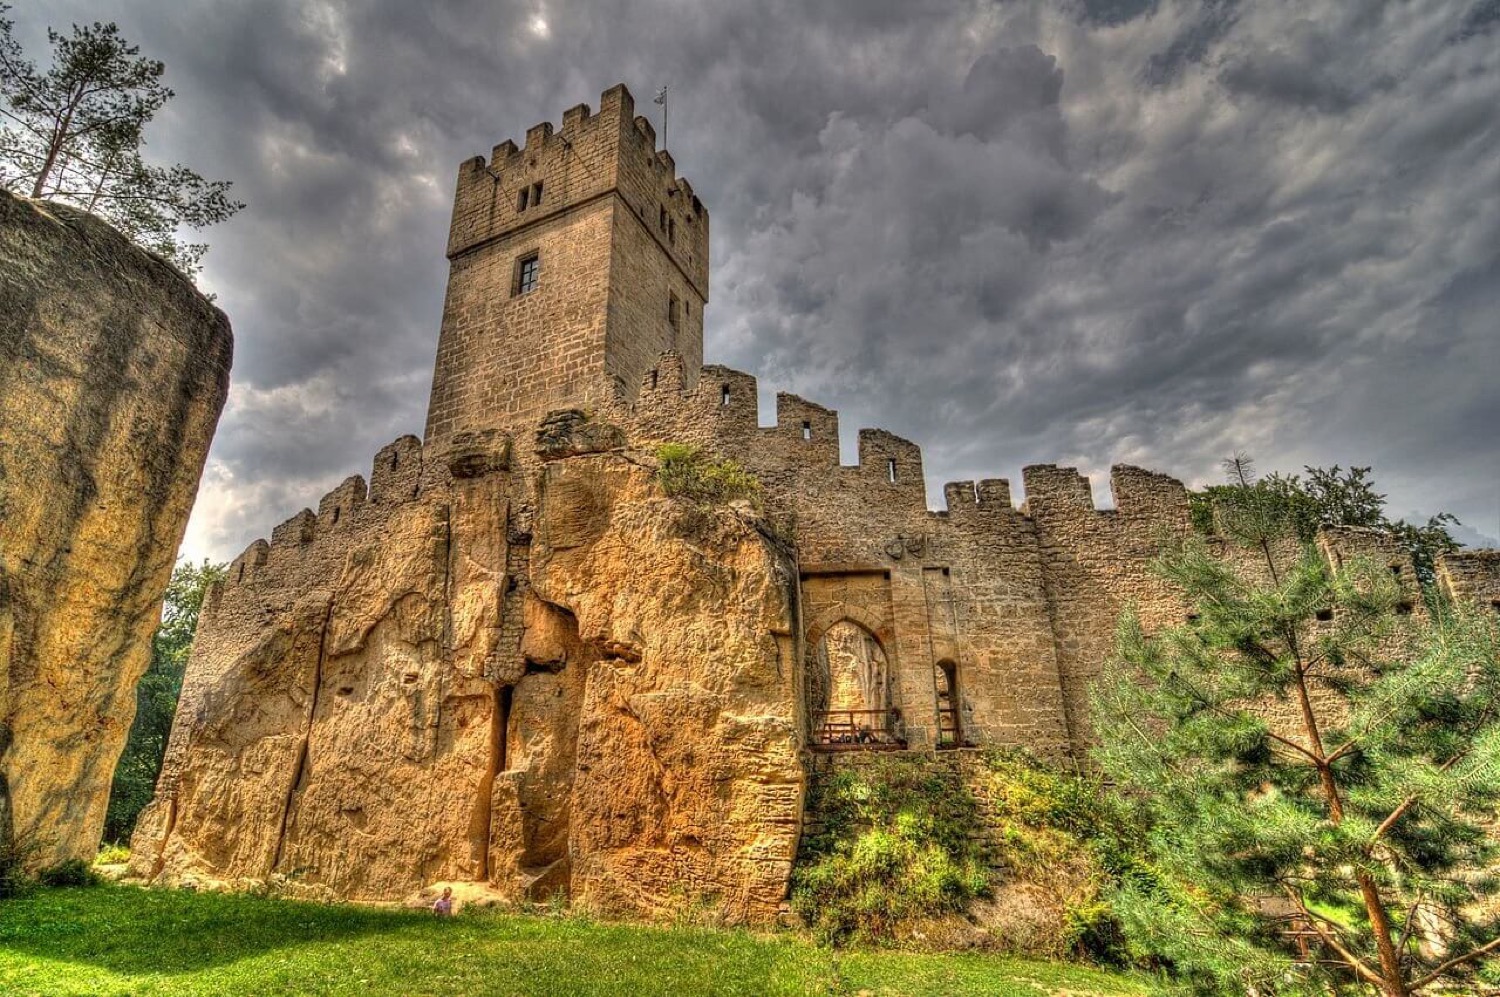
(1081, 233)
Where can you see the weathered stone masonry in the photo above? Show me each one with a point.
(510, 659)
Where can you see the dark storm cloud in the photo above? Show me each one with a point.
(1113, 230)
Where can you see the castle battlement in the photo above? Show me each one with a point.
(467, 664)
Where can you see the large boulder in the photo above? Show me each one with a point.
(545, 680)
(113, 372)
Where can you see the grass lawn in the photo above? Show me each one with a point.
(116, 940)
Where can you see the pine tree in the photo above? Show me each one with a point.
(1299, 742)
(74, 134)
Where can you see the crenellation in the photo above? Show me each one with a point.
(537, 138)
(1471, 576)
(338, 506)
(396, 472)
(244, 569)
(960, 497)
(1055, 490)
(1341, 545)
(994, 495)
(297, 531)
(892, 461)
(647, 130)
(573, 118)
(1148, 494)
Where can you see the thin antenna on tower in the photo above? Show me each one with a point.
(661, 98)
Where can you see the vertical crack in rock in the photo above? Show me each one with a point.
(299, 771)
(484, 803)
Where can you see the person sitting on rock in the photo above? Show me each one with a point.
(443, 907)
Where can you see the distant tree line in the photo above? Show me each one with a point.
(156, 698)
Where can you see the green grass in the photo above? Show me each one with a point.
(116, 940)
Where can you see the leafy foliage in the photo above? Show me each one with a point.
(895, 846)
(1296, 506)
(1300, 742)
(74, 133)
(156, 698)
(900, 840)
(1050, 826)
(686, 472)
(73, 872)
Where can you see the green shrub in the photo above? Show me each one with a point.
(686, 472)
(894, 848)
(73, 872)
(115, 854)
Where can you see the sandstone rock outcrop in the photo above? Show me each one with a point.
(113, 372)
(437, 683)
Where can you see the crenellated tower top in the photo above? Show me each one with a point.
(575, 261)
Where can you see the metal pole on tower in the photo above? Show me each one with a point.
(661, 98)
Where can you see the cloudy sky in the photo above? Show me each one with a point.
(1088, 232)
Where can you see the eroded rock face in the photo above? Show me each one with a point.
(550, 679)
(113, 372)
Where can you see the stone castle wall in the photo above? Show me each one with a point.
(512, 660)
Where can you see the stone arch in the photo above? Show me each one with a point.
(848, 685)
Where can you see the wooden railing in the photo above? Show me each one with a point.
(858, 730)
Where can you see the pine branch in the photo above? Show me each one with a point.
(1361, 969)
(1411, 920)
(1407, 804)
(1220, 711)
(1470, 956)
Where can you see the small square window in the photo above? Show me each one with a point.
(528, 271)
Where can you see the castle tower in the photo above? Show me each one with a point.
(574, 263)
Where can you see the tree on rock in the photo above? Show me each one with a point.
(74, 133)
(1316, 765)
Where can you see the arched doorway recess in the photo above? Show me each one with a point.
(849, 692)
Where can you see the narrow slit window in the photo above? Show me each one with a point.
(528, 272)
(536, 192)
(672, 230)
(806, 430)
(521, 198)
(661, 221)
(674, 306)
(724, 400)
(890, 470)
